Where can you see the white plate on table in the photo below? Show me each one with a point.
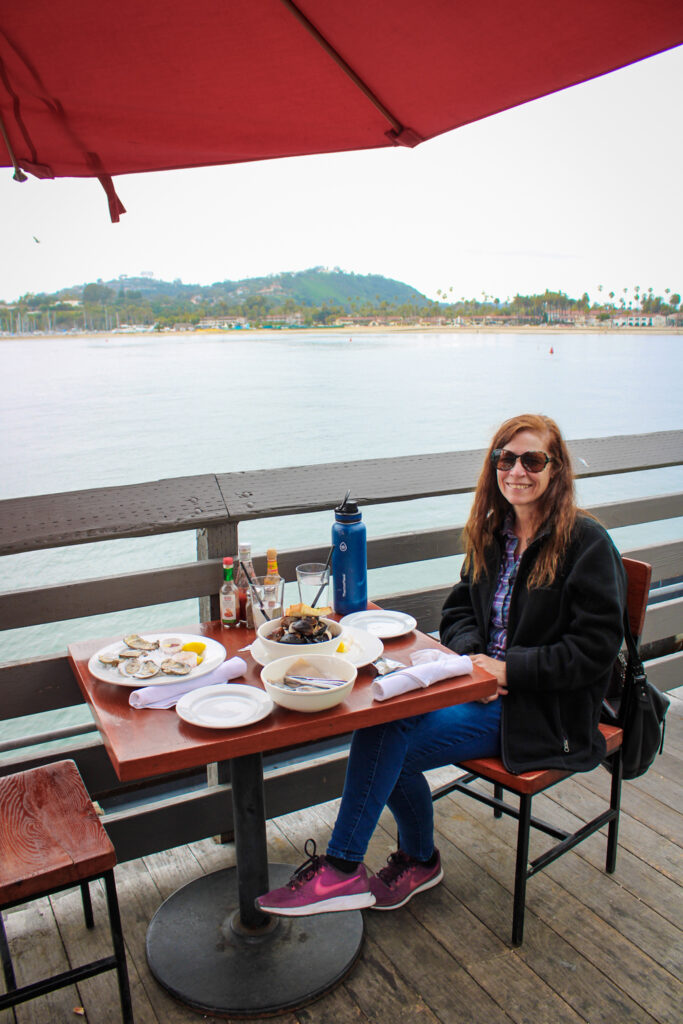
(381, 623)
(363, 648)
(224, 706)
(214, 655)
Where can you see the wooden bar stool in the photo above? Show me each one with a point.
(51, 839)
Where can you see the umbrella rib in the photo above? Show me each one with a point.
(18, 173)
(399, 134)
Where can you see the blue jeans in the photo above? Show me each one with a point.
(385, 769)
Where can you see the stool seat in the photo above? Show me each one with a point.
(50, 835)
(51, 839)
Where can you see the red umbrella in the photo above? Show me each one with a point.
(101, 88)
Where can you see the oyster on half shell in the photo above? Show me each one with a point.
(175, 668)
(130, 666)
(138, 643)
(147, 669)
(110, 660)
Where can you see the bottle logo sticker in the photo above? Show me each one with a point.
(343, 546)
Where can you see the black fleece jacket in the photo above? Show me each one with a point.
(562, 641)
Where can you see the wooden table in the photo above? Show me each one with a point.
(208, 944)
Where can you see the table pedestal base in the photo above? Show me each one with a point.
(198, 952)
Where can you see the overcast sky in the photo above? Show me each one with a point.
(576, 190)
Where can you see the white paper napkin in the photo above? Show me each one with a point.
(169, 695)
(427, 667)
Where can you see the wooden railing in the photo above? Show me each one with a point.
(214, 506)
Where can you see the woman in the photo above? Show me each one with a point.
(540, 606)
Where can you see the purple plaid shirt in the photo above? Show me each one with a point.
(498, 627)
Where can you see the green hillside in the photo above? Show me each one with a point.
(313, 287)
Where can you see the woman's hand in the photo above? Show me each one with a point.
(497, 669)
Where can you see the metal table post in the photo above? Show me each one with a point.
(212, 948)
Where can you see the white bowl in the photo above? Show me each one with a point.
(327, 665)
(277, 650)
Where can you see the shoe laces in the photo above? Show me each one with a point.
(308, 869)
(397, 864)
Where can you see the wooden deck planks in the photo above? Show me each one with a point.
(597, 948)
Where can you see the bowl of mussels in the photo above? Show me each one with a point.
(302, 628)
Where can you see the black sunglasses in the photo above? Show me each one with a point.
(533, 462)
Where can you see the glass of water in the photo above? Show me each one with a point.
(314, 584)
(272, 597)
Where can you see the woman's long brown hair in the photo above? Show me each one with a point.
(557, 506)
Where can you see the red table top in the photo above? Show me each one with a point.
(149, 742)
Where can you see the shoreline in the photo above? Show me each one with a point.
(544, 329)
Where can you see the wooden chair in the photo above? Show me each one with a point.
(528, 784)
(51, 839)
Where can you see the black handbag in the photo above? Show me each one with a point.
(637, 707)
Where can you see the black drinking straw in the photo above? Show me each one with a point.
(322, 585)
(255, 591)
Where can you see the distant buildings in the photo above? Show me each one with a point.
(224, 323)
(643, 320)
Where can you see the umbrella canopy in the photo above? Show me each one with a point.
(106, 88)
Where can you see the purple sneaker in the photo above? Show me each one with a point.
(401, 879)
(317, 887)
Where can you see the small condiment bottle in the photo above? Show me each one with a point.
(228, 596)
(244, 566)
(272, 574)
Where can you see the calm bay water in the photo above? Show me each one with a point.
(102, 411)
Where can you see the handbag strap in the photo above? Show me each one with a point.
(637, 676)
(634, 677)
(631, 645)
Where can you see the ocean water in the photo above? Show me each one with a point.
(81, 412)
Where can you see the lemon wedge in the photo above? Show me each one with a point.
(197, 647)
(342, 648)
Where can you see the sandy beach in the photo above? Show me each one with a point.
(544, 329)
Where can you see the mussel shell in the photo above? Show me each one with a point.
(301, 629)
(305, 626)
(290, 638)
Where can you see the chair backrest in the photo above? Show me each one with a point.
(639, 575)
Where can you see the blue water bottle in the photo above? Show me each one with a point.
(349, 560)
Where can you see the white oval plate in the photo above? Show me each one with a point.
(224, 706)
(381, 623)
(364, 648)
(214, 655)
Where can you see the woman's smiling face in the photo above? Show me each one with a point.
(518, 486)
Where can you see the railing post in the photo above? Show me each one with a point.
(214, 542)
